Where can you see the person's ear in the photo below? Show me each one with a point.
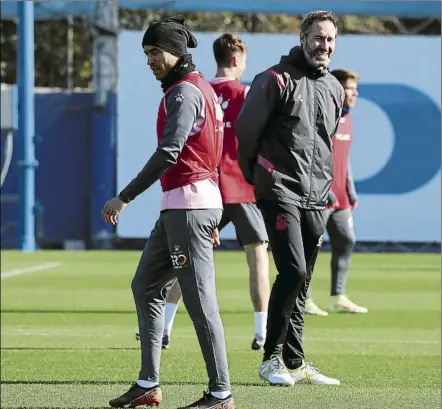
(302, 38)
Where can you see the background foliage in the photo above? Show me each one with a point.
(52, 45)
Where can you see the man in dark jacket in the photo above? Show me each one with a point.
(284, 133)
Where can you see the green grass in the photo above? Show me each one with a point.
(67, 335)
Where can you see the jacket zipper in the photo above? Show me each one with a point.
(314, 142)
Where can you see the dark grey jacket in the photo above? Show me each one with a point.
(285, 130)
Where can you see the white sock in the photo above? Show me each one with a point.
(221, 395)
(260, 325)
(146, 384)
(340, 297)
(169, 316)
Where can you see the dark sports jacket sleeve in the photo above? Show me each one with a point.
(183, 106)
(264, 94)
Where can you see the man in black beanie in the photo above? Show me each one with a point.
(190, 137)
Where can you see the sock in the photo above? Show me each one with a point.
(339, 297)
(169, 316)
(147, 384)
(260, 325)
(221, 395)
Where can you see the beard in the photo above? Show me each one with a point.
(317, 58)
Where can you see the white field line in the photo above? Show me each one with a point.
(105, 332)
(27, 270)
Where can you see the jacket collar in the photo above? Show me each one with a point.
(297, 58)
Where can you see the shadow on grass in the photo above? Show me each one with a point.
(119, 382)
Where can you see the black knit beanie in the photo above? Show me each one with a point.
(170, 35)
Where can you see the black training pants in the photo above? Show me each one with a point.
(295, 236)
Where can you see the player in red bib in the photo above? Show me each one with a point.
(339, 214)
(180, 247)
(237, 195)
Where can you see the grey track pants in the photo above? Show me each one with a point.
(180, 247)
(342, 239)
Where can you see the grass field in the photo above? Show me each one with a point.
(67, 335)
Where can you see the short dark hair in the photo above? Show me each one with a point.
(225, 47)
(344, 75)
(318, 15)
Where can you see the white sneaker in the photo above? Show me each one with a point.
(275, 372)
(307, 374)
(312, 309)
(346, 305)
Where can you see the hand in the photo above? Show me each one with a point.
(353, 201)
(332, 199)
(215, 238)
(112, 210)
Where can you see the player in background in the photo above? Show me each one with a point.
(238, 197)
(339, 214)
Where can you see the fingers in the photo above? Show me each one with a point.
(215, 238)
(114, 219)
(110, 215)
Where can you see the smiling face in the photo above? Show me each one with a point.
(319, 43)
(160, 62)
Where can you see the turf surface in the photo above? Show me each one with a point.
(67, 335)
